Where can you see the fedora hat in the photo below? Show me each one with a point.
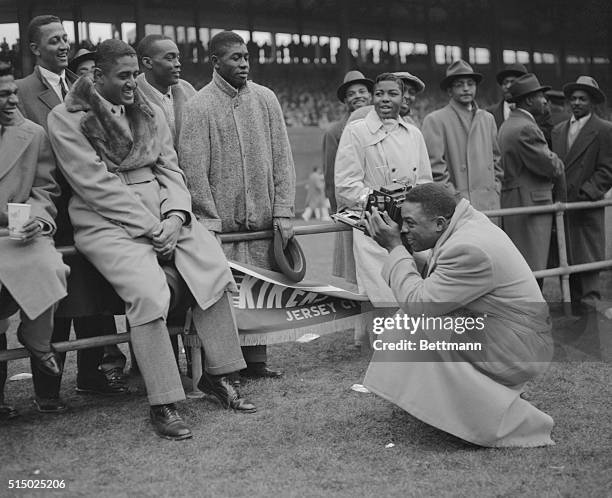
(459, 69)
(589, 85)
(555, 96)
(511, 70)
(351, 78)
(411, 79)
(82, 55)
(524, 85)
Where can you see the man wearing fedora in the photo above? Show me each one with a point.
(354, 92)
(530, 168)
(83, 62)
(462, 141)
(584, 143)
(501, 110)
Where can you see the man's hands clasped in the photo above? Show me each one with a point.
(166, 237)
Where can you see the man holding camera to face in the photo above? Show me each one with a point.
(474, 273)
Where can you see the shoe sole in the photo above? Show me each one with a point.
(174, 438)
(79, 390)
(56, 411)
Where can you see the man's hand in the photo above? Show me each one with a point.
(285, 227)
(383, 229)
(32, 229)
(166, 236)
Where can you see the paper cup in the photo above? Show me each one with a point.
(18, 215)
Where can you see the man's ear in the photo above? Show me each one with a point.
(34, 49)
(146, 62)
(97, 74)
(214, 60)
(441, 223)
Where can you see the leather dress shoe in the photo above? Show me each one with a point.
(260, 371)
(113, 384)
(48, 363)
(168, 423)
(7, 412)
(222, 388)
(50, 405)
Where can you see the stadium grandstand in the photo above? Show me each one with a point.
(301, 48)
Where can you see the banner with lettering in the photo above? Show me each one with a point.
(271, 309)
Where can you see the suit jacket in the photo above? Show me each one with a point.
(545, 121)
(465, 160)
(34, 274)
(588, 173)
(529, 171)
(181, 93)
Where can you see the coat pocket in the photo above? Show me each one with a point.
(542, 196)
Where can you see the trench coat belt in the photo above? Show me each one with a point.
(140, 175)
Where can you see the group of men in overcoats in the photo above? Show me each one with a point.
(115, 136)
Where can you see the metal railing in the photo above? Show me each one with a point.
(563, 270)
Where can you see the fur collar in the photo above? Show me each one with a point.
(117, 147)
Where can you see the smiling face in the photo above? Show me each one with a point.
(118, 82)
(8, 100)
(164, 63)
(86, 67)
(233, 64)
(52, 48)
(388, 98)
(410, 93)
(357, 95)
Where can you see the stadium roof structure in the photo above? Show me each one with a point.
(562, 27)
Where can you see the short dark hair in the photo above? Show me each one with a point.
(36, 23)
(145, 46)
(391, 77)
(435, 199)
(109, 51)
(221, 40)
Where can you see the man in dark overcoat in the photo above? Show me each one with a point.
(584, 143)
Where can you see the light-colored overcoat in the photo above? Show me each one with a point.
(235, 152)
(124, 182)
(181, 93)
(369, 158)
(529, 171)
(474, 271)
(464, 154)
(33, 273)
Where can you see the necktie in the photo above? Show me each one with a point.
(63, 88)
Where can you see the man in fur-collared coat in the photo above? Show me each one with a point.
(130, 209)
(32, 273)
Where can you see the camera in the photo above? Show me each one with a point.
(389, 198)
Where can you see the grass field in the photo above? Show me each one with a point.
(312, 435)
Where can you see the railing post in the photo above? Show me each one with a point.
(562, 249)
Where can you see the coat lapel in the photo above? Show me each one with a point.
(583, 140)
(15, 140)
(559, 140)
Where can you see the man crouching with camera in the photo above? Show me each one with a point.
(474, 272)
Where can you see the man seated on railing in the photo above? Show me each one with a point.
(32, 273)
(130, 209)
(474, 329)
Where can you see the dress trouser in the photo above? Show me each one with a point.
(216, 328)
(46, 386)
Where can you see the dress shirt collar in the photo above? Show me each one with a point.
(118, 110)
(582, 121)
